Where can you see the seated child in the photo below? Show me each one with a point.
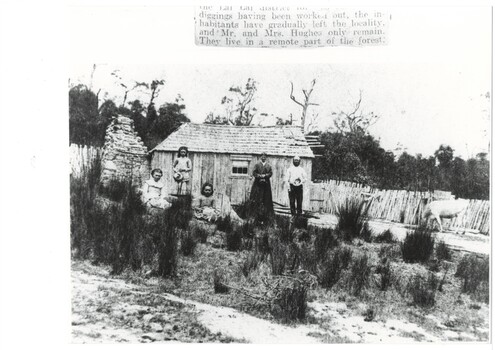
(154, 193)
(205, 205)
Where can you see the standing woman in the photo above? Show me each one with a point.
(261, 192)
(182, 168)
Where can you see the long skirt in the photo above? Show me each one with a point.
(261, 200)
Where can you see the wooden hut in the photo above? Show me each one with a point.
(225, 156)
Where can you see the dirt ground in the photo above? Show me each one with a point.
(132, 309)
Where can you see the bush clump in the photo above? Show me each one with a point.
(333, 265)
(325, 240)
(350, 219)
(423, 290)
(278, 256)
(218, 285)
(418, 245)
(474, 272)
(360, 274)
(250, 263)
(233, 238)
(443, 252)
(385, 237)
(285, 228)
(199, 231)
(187, 242)
(290, 303)
(366, 232)
(385, 274)
(224, 224)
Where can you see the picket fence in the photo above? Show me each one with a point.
(81, 157)
(393, 205)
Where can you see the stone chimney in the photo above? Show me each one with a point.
(124, 153)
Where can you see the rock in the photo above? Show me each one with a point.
(147, 318)
(149, 336)
(155, 327)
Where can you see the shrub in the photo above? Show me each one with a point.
(385, 274)
(218, 284)
(245, 210)
(325, 240)
(180, 213)
(474, 272)
(423, 290)
(285, 228)
(332, 267)
(233, 238)
(443, 252)
(278, 256)
(167, 250)
(360, 273)
(116, 230)
(187, 243)
(199, 231)
(290, 303)
(262, 243)
(369, 314)
(385, 237)
(307, 257)
(418, 245)
(390, 251)
(251, 262)
(366, 232)
(224, 224)
(350, 219)
(83, 192)
(300, 222)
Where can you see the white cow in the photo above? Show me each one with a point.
(446, 209)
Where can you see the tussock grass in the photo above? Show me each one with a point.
(187, 242)
(250, 263)
(384, 237)
(233, 238)
(224, 224)
(119, 232)
(423, 289)
(278, 256)
(442, 251)
(418, 245)
(474, 273)
(334, 264)
(384, 272)
(325, 240)
(360, 274)
(218, 282)
(351, 219)
(290, 303)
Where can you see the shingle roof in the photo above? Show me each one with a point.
(211, 138)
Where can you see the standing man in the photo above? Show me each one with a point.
(261, 192)
(296, 177)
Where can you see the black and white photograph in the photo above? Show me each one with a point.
(328, 185)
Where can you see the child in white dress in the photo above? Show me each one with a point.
(154, 191)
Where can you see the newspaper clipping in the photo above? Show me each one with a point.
(268, 26)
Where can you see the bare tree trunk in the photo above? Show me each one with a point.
(304, 104)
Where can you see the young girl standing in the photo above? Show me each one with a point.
(182, 168)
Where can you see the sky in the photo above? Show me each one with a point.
(420, 106)
(429, 85)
